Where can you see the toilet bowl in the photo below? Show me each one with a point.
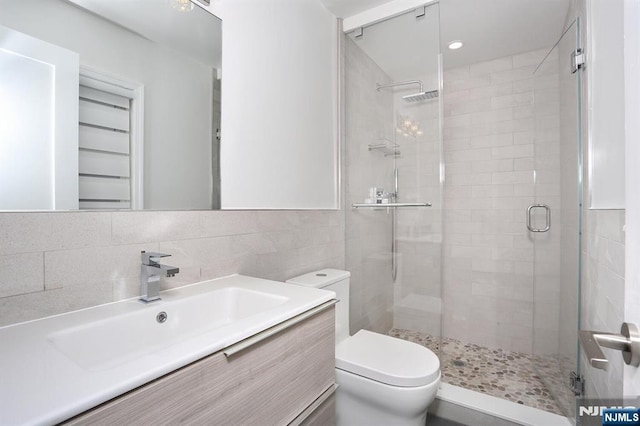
(381, 380)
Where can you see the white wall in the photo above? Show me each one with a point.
(605, 61)
(177, 94)
(39, 130)
(632, 112)
(279, 105)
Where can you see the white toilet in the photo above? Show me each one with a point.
(381, 380)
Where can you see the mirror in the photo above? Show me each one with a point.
(109, 105)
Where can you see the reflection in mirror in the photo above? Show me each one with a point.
(109, 105)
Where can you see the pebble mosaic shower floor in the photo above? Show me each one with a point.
(496, 372)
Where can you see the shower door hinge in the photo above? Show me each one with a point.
(577, 383)
(577, 60)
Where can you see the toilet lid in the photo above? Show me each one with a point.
(387, 359)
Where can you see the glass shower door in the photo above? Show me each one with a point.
(554, 219)
(393, 155)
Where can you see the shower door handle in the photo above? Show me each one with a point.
(548, 217)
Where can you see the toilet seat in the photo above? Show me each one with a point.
(387, 359)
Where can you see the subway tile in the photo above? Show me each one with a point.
(523, 138)
(490, 91)
(505, 165)
(511, 203)
(457, 144)
(515, 74)
(494, 116)
(514, 254)
(470, 179)
(523, 164)
(487, 67)
(468, 83)
(470, 252)
(32, 232)
(515, 100)
(467, 107)
(457, 120)
(505, 241)
(462, 132)
(533, 57)
(519, 177)
(487, 265)
(505, 139)
(459, 73)
(523, 86)
(468, 155)
(21, 273)
(515, 151)
(524, 111)
(524, 190)
(491, 191)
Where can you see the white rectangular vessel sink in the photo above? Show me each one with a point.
(109, 342)
(54, 368)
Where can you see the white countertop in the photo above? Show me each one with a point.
(57, 367)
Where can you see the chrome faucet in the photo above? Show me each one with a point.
(150, 272)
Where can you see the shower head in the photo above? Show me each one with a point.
(415, 97)
(421, 96)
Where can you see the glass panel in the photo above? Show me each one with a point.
(558, 155)
(394, 135)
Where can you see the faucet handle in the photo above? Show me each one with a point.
(152, 258)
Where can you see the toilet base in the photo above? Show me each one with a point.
(361, 401)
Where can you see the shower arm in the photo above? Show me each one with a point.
(402, 83)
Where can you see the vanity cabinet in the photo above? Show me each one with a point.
(277, 381)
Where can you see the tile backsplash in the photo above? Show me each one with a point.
(58, 262)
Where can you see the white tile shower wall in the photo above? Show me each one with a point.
(369, 120)
(57, 262)
(603, 294)
(489, 159)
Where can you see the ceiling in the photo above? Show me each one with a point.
(489, 28)
(346, 8)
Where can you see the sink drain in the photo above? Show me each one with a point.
(161, 317)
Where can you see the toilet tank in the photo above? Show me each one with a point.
(338, 282)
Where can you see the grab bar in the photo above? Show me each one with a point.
(257, 338)
(628, 342)
(374, 205)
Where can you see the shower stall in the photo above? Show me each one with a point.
(463, 192)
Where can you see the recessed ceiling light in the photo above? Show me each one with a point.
(456, 44)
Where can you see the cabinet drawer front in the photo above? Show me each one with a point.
(269, 383)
